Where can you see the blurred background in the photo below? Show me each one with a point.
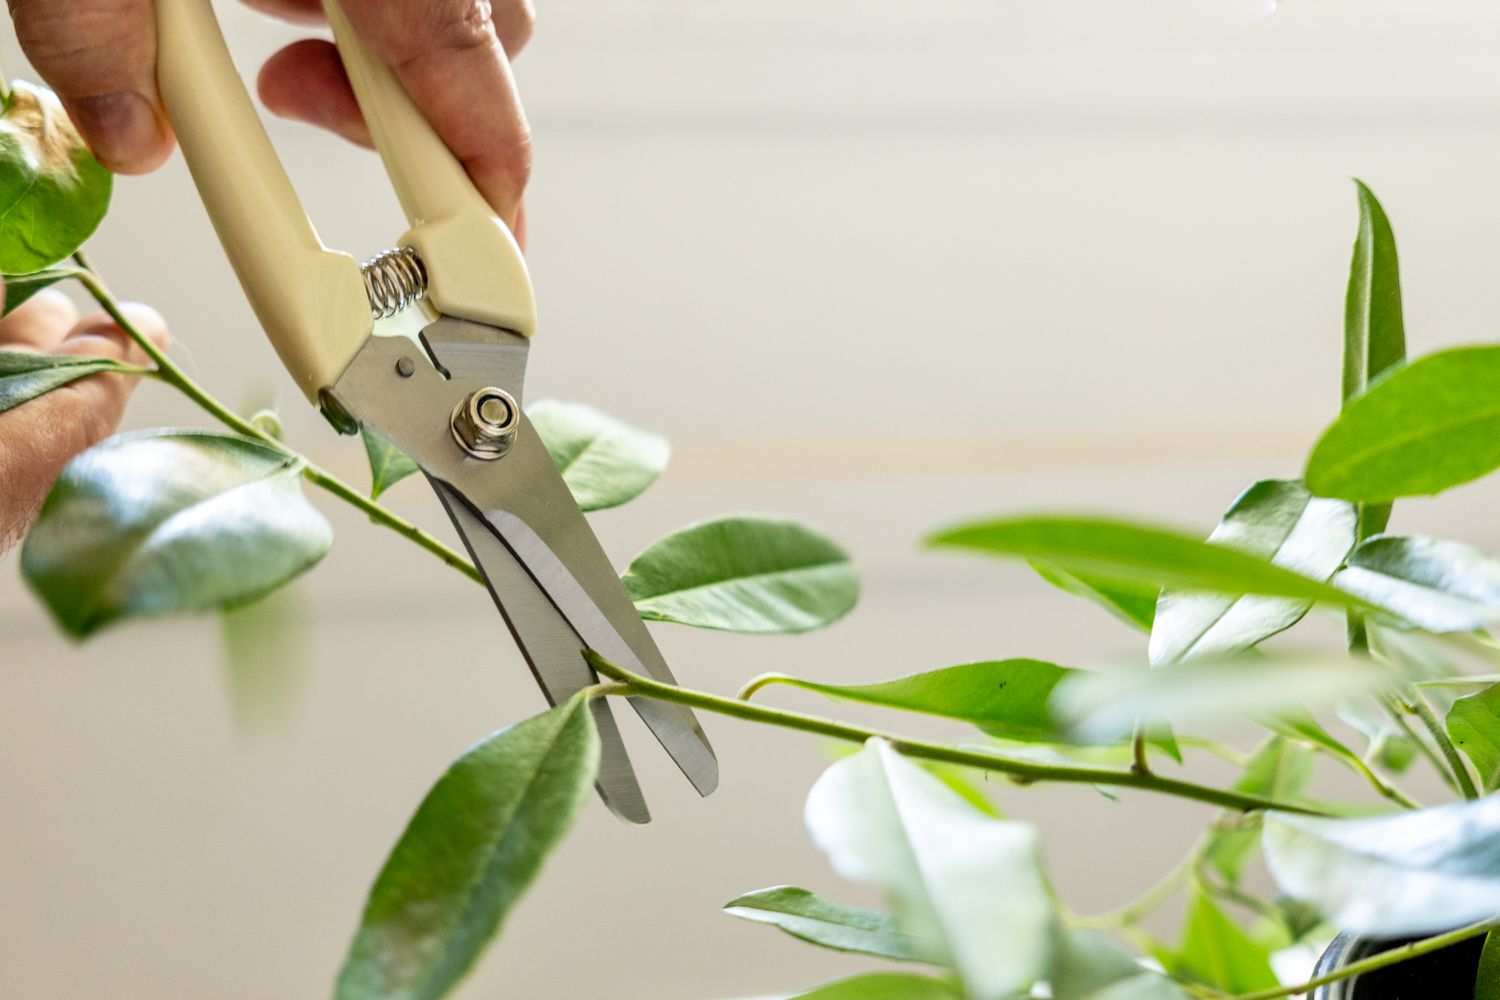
(875, 265)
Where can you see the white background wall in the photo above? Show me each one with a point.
(877, 265)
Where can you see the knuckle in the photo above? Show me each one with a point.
(89, 46)
(445, 26)
(515, 22)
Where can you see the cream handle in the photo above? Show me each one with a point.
(310, 299)
(475, 269)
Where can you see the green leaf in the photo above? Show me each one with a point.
(604, 462)
(1487, 982)
(20, 287)
(1274, 520)
(1386, 743)
(1088, 965)
(1120, 550)
(1438, 585)
(163, 521)
(744, 573)
(53, 194)
(1099, 707)
(966, 887)
(475, 844)
(1217, 952)
(24, 376)
(1410, 874)
(1131, 601)
(268, 653)
(806, 916)
(388, 464)
(1418, 430)
(1374, 331)
(883, 986)
(1280, 770)
(1474, 726)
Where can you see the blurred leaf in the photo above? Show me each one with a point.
(1374, 331)
(744, 573)
(1474, 726)
(1120, 550)
(1100, 707)
(806, 916)
(1217, 952)
(1131, 601)
(967, 888)
(20, 287)
(1417, 430)
(1386, 743)
(53, 194)
(1274, 520)
(1087, 965)
(1435, 584)
(162, 521)
(24, 376)
(388, 464)
(475, 844)
(884, 986)
(1408, 874)
(1280, 771)
(267, 653)
(1487, 982)
(604, 462)
(1005, 698)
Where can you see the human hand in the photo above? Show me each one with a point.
(38, 438)
(452, 56)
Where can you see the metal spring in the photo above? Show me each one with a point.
(394, 280)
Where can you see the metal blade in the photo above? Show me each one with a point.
(552, 648)
(521, 496)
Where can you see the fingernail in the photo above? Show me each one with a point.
(120, 128)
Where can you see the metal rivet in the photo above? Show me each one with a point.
(405, 368)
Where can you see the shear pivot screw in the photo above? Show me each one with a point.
(485, 423)
(406, 368)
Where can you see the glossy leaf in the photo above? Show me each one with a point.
(884, 986)
(1121, 550)
(1088, 965)
(884, 821)
(20, 287)
(1419, 430)
(24, 376)
(1474, 726)
(1280, 771)
(1131, 601)
(1436, 584)
(604, 462)
(53, 194)
(1487, 982)
(475, 844)
(388, 463)
(1274, 520)
(165, 521)
(1409, 874)
(744, 573)
(1099, 707)
(1215, 951)
(809, 917)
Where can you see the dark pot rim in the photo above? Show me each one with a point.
(1348, 948)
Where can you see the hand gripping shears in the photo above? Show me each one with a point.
(452, 402)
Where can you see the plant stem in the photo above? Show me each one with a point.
(1398, 716)
(1021, 771)
(174, 376)
(1380, 961)
(1132, 912)
(1140, 763)
(1418, 706)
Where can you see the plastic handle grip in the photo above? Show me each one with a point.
(475, 269)
(310, 300)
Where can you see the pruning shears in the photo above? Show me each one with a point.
(453, 402)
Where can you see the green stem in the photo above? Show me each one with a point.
(1140, 762)
(1380, 961)
(1398, 715)
(1021, 771)
(1422, 710)
(1132, 912)
(168, 372)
